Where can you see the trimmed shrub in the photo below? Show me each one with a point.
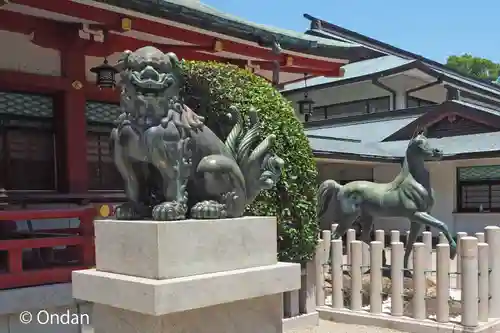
(210, 89)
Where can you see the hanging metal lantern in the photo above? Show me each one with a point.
(306, 105)
(105, 75)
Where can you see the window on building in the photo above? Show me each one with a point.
(319, 113)
(479, 189)
(27, 142)
(103, 175)
(417, 102)
(28, 158)
(378, 105)
(351, 108)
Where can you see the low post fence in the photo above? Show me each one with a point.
(462, 291)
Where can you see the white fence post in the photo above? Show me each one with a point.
(334, 228)
(326, 236)
(443, 282)
(460, 235)
(427, 240)
(337, 274)
(419, 285)
(484, 275)
(442, 239)
(376, 276)
(410, 258)
(469, 281)
(320, 278)
(480, 237)
(395, 236)
(350, 237)
(493, 240)
(307, 294)
(397, 255)
(356, 262)
(380, 236)
(291, 304)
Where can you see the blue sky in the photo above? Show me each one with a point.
(432, 28)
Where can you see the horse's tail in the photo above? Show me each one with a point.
(327, 203)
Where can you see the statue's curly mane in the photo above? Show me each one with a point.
(189, 119)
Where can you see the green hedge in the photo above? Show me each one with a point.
(214, 87)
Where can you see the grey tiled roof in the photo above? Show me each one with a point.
(464, 144)
(353, 70)
(364, 137)
(331, 145)
(453, 145)
(371, 131)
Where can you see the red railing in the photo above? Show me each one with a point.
(78, 251)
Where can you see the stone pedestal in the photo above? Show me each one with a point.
(196, 276)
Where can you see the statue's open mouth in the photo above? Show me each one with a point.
(150, 87)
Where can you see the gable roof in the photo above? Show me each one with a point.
(476, 113)
(369, 139)
(329, 30)
(375, 130)
(454, 147)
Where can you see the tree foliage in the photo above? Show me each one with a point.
(477, 67)
(210, 89)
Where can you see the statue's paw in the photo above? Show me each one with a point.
(209, 209)
(127, 211)
(169, 211)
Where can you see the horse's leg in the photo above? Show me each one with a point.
(366, 223)
(431, 221)
(415, 230)
(366, 229)
(344, 224)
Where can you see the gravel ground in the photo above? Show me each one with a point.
(331, 327)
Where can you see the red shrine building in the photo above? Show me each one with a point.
(55, 121)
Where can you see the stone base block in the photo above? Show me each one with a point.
(261, 314)
(159, 297)
(164, 250)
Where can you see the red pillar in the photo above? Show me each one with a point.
(70, 120)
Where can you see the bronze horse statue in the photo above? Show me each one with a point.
(409, 195)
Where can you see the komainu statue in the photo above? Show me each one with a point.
(174, 167)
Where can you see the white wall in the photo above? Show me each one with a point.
(343, 172)
(443, 179)
(367, 90)
(338, 94)
(24, 56)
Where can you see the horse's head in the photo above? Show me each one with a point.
(420, 146)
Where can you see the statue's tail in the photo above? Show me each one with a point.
(220, 164)
(328, 203)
